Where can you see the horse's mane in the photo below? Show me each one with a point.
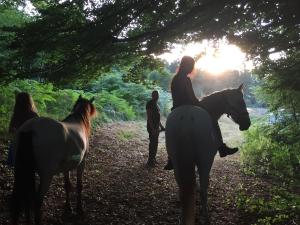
(217, 94)
(209, 102)
(82, 113)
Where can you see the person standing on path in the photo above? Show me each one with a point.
(153, 127)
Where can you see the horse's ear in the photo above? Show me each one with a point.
(80, 97)
(241, 87)
(92, 99)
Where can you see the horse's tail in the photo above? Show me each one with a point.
(24, 183)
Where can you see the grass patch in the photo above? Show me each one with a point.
(126, 135)
(230, 132)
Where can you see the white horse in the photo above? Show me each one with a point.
(48, 147)
(190, 143)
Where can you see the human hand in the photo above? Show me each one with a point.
(155, 132)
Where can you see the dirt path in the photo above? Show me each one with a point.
(119, 189)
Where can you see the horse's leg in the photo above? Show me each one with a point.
(28, 215)
(184, 169)
(44, 185)
(68, 187)
(204, 180)
(187, 198)
(204, 170)
(80, 170)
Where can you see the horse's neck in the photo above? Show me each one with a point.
(215, 105)
(77, 119)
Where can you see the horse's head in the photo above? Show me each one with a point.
(85, 107)
(236, 108)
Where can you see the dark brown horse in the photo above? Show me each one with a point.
(190, 143)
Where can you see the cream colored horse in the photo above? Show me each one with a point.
(191, 143)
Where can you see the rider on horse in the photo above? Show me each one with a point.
(183, 94)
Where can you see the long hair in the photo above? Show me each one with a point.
(24, 109)
(186, 65)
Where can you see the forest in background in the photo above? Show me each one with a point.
(55, 56)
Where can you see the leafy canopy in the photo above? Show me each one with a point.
(80, 38)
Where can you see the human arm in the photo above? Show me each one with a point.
(162, 128)
(190, 92)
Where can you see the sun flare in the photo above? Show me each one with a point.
(212, 58)
(217, 61)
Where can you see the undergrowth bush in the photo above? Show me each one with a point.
(274, 150)
(135, 94)
(280, 207)
(114, 99)
(57, 103)
(113, 107)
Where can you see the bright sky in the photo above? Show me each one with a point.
(214, 58)
(28, 8)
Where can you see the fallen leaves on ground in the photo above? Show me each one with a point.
(119, 189)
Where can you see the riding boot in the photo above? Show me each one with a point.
(169, 165)
(224, 150)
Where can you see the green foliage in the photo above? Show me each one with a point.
(280, 208)
(126, 135)
(161, 78)
(282, 74)
(62, 103)
(107, 82)
(9, 19)
(41, 96)
(139, 70)
(273, 149)
(113, 107)
(136, 95)
(280, 86)
(77, 39)
(165, 102)
(57, 103)
(115, 98)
